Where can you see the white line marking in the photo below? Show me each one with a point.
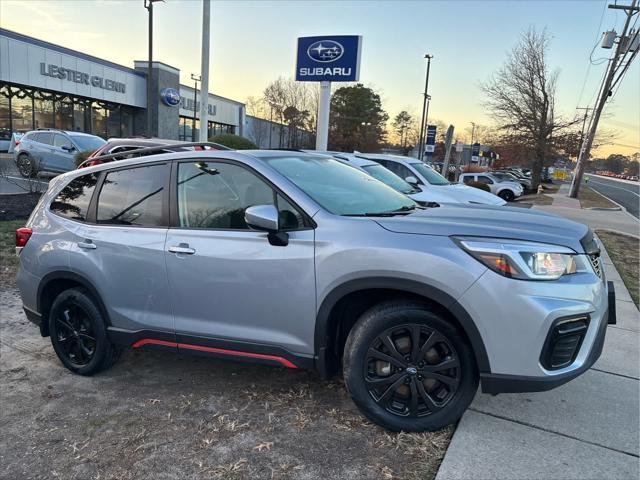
(25, 179)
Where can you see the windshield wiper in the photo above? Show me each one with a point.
(404, 210)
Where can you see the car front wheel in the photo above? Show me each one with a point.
(78, 333)
(408, 368)
(507, 195)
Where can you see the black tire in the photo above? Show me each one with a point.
(360, 370)
(79, 335)
(507, 195)
(26, 166)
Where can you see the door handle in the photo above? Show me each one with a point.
(89, 245)
(182, 248)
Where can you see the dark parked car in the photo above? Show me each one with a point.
(51, 150)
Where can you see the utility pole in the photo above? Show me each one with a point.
(424, 108)
(196, 79)
(204, 73)
(148, 4)
(584, 124)
(605, 93)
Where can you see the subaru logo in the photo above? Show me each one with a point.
(412, 370)
(325, 51)
(170, 96)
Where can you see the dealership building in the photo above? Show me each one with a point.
(43, 85)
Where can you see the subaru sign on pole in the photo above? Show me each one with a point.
(328, 59)
(430, 144)
(333, 58)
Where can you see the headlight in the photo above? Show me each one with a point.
(523, 260)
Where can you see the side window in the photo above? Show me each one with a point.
(44, 138)
(73, 201)
(485, 179)
(215, 195)
(61, 141)
(467, 179)
(133, 197)
(402, 171)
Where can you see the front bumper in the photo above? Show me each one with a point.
(514, 319)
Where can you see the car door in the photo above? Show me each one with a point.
(41, 149)
(229, 283)
(60, 157)
(121, 248)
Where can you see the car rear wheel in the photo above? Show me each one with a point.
(408, 368)
(25, 166)
(507, 195)
(78, 333)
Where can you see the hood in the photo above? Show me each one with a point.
(469, 194)
(435, 195)
(486, 221)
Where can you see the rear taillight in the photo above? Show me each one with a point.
(17, 142)
(22, 236)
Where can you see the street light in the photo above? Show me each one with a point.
(148, 4)
(428, 56)
(196, 78)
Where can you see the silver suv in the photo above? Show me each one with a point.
(300, 261)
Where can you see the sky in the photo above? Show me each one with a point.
(253, 43)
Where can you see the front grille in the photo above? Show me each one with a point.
(563, 342)
(597, 266)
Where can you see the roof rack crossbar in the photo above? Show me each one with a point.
(138, 152)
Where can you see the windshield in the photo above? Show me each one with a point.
(339, 188)
(388, 177)
(87, 142)
(430, 175)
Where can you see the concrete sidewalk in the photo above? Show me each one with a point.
(616, 220)
(585, 429)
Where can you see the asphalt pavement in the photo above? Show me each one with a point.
(626, 193)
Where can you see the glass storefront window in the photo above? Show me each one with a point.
(21, 114)
(64, 115)
(113, 123)
(98, 120)
(127, 122)
(81, 118)
(43, 113)
(5, 120)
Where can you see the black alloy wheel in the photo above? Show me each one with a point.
(78, 333)
(74, 334)
(412, 370)
(409, 367)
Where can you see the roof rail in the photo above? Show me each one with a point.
(139, 152)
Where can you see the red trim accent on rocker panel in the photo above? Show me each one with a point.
(188, 346)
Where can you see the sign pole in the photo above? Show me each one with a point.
(204, 74)
(324, 104)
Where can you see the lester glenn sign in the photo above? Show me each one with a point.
(334, 58)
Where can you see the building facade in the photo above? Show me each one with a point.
(43, 85)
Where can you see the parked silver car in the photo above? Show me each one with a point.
(51, 150)
(300, 261)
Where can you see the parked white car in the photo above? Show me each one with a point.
(429, 181)
(506, 190)
(377, 171)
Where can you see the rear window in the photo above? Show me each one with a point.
(73, 201)
(133, 197)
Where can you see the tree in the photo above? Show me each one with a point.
(401, 124)
(357, 120)
(521, 96)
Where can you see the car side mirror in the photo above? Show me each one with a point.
(412, 180)
(265, 218)
(68, 148)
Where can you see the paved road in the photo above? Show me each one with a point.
(626, 194)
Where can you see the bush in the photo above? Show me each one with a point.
(480, 185)
(233, 141)
(82, 156)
